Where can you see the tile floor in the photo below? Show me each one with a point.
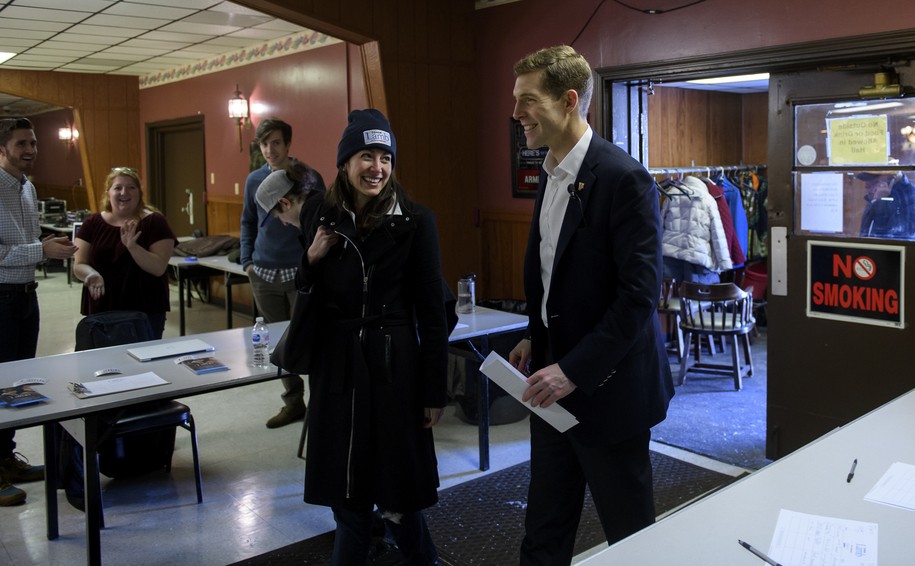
(252, 479)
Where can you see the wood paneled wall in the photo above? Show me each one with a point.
(105, 109)
(224, 215)
(697, 127)
(504, 236)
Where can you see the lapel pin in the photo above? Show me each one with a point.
(581, 186)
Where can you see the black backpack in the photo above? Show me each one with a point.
(112, 328)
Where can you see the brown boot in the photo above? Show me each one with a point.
(16, 467)
(10, 494)
(286, 416)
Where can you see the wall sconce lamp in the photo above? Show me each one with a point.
(68, 134)
(238, 110)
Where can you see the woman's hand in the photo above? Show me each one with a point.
(129, 233)
(325, 239)
(433, 415)
(95, 283)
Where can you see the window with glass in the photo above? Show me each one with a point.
(854, 166)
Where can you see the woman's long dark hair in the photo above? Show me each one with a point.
(372, 214)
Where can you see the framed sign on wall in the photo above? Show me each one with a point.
(526, 163)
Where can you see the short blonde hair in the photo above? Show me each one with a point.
(563, 69)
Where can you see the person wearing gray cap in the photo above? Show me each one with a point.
(270, 253)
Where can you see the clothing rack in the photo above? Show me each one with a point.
(707, 169)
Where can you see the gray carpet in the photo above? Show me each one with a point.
(482, 521)
(707, 416)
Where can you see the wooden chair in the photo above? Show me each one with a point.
(716, 310)
(669, 313)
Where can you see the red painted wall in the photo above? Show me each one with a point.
(312, 91)
(58, 162)
(620, 36)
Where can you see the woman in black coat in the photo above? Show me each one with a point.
(378, 375)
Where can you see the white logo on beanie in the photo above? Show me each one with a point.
(376, 136)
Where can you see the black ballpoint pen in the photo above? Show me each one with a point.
(851, 472)
(759, 554)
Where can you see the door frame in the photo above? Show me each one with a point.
(862, 54)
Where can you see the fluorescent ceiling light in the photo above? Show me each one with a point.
(4, 56)
(731, 79)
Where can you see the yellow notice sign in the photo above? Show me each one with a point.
(857, 140)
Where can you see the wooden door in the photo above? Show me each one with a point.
(177, 177)
(822, 372)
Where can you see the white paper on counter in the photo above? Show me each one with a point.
(497, 368)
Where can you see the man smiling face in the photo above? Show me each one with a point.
(17, 156)
(546, 119)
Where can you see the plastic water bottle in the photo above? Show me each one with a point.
(260, 344)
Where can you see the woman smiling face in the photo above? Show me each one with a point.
(124, 195)
(368, 171)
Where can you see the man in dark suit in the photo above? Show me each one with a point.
(592, 277)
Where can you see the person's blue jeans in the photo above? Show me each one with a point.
(19, 320)
(353, 538)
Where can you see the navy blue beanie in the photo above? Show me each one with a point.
(366, 128)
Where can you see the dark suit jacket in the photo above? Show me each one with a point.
(606, 278)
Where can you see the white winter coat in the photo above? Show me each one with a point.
(692, 228)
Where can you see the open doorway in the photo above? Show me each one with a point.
(802, 356)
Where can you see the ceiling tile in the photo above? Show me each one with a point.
(77, 68)
(232, 8)
(206, 49)
(97, 40)
(257, 34)
(13, 64)
(43, 14)
(98, 62)
(103, 31)
(125, 22)
(199, 28)
(78, 5)
(17, 46)
(188, 38)
(124, 59)
(40, 58)
(71, 51)
(229, 42)
(195, 4)
(280, 25)
(148, 11)
(26, 34)
(17, 24)
(142, 52)
(165, 46)
(226, 19)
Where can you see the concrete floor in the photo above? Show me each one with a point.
(252, 479)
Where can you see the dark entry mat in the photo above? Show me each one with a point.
(482, 521)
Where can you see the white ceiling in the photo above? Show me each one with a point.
(124, 37)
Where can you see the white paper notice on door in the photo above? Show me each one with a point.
(496, 368)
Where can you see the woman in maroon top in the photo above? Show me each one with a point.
(123, 253)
